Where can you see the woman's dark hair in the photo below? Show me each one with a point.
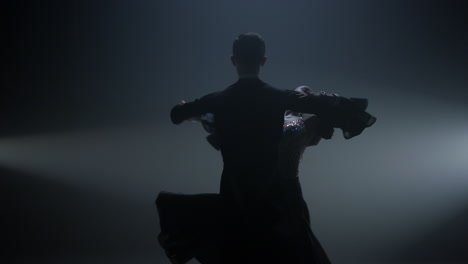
(249, 49)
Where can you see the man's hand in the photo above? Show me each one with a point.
(193, 119)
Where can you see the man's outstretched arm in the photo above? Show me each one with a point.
(185, 111)
(311, 103)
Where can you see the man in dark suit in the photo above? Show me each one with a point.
(248, 117)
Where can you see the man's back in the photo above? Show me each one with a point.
(249, 118)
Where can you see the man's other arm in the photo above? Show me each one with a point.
(185, 111)
(333, 111)
(313, 103)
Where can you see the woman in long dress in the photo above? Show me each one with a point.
(194, 226)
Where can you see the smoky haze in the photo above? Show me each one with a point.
(86, 141)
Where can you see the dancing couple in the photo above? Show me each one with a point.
(259, 215)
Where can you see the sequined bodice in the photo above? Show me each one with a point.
(294, 126)
(291, 147)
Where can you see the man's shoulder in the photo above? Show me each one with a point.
(274, 90)
(256, 84)
(210, 96)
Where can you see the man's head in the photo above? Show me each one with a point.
(248, 53)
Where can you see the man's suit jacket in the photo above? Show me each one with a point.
(249, 118)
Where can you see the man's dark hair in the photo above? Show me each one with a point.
(249, 49)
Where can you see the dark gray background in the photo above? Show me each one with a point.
(86, 141)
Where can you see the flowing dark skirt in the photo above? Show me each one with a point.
(204, 227)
